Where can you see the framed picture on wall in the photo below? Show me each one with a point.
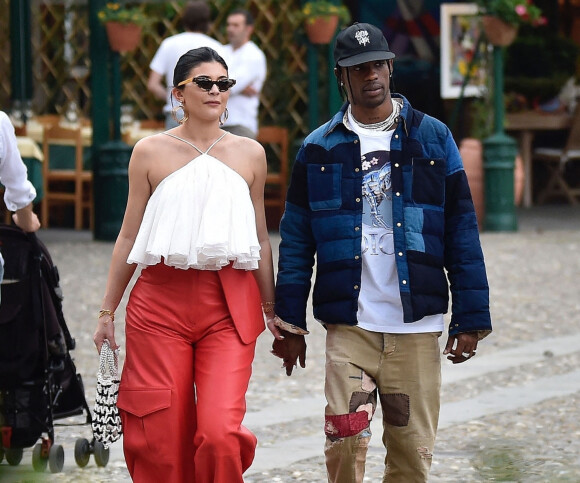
(460, 30)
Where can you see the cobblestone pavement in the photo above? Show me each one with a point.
(511, 414)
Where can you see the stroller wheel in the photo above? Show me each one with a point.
(56, 458)
(13, 456)
(82, 452)
(101, 454)
(38, 461)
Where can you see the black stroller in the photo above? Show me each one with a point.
(38, 379)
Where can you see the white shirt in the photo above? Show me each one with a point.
(379, 305)
(172, 48)
(13, 174)
(19, 192)
(247, 65)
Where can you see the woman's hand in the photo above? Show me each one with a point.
(270, 322)
(105, 330)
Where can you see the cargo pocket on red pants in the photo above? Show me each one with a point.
(144, 412)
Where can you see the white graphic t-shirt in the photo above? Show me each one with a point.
(379, 305)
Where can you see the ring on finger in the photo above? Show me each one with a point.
(465, 354)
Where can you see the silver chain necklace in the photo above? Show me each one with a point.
(385, 125)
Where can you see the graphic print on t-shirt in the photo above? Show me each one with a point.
(377, 199)
(376, 189)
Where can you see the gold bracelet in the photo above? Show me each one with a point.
(268, 307)
(110, 313)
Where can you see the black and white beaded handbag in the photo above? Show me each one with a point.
(106, 420)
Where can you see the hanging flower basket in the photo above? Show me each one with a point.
(320, 30)
(498, 32)
(123, 37)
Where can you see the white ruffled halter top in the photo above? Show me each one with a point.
(200, 216)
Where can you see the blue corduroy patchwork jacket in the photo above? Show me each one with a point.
(436, 238)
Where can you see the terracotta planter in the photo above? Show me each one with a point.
(321, 29)
(519, 177)
(498, 32)
(471, 151)
(123, 37)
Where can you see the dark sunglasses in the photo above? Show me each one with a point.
(206, 83)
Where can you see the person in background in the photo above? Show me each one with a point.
(379, 198)
(196, 22)
(195, 224)
(248, 66)
(18, 191)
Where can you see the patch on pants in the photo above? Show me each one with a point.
(396, 409)
(363, 401)
(344, 425)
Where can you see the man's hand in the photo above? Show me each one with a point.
(250, 92)
(290, 349)
(461, 347)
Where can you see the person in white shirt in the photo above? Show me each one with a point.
(196, 21)
(248, 66)
(18, 191)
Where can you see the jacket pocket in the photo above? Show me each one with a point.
(429, 181)
(324, 186)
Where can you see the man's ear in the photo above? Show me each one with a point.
(338, 75)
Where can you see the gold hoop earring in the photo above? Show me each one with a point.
(174, 112)
(225, 114)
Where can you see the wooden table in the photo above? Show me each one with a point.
(131, 135)
(526, 123)
(35, 130)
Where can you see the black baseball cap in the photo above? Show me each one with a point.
(359, 43)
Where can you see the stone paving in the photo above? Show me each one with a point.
(524, 393)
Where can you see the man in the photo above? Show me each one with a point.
(195, 19)
(247, 64)
(379, 195)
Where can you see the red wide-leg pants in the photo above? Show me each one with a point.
(186, 372)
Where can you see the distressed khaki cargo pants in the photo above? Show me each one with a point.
(405, 371)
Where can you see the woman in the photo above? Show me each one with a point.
(195, 223)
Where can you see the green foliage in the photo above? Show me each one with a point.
(118, 12)
(514, 12)
(538, 67)
(323, 8)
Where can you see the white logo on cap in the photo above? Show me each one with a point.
(363, 37)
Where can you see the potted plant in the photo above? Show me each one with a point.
(123, 25)
(502, 18)
(321, 18)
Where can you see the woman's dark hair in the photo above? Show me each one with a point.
(192, 59)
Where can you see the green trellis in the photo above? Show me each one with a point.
(61, 64)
